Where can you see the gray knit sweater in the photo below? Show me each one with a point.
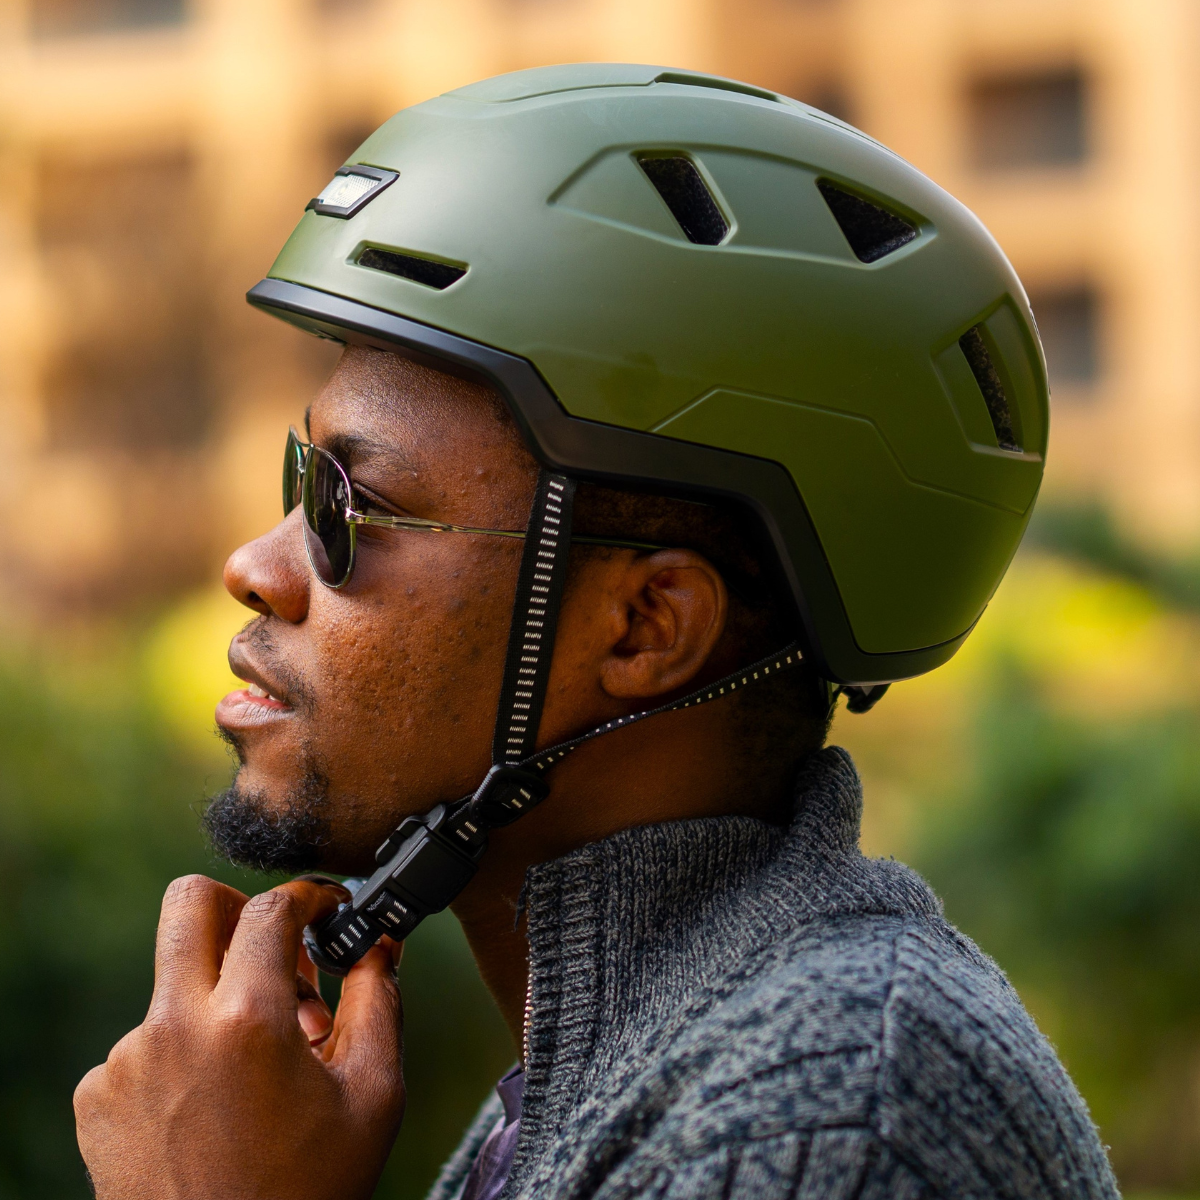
(726, 1010)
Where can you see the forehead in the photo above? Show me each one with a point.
(429, 417)
(429, 442)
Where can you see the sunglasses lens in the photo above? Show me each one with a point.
(293, 460)
(327, 533)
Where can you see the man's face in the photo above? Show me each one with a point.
(384, 691)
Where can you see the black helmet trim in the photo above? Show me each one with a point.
(585, 449)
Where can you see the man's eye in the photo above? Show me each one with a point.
(368, 507)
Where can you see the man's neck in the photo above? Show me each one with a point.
(682, 766)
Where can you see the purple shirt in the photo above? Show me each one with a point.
(489, 1171)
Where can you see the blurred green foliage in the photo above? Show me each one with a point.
(1070, 848)
(1087, 533)
(1047, 781)
(98, 812)
(94, 821)
(1070, 855)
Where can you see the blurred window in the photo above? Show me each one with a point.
(66, 18)
(1068, 320)
(342, 8)
(829, 97)
(1031, 120)
(124, 260)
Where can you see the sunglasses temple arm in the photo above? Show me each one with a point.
(357, 518)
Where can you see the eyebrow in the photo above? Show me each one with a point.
(355, 449)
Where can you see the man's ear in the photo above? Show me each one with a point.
(672, 607)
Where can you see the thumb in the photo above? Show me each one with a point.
(367, 1046)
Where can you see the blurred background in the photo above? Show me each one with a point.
(154, 154)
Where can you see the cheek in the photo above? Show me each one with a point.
(410, 663)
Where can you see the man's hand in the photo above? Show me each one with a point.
(218, 1094)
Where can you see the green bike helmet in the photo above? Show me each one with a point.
(684, 284)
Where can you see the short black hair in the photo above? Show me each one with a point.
(789, 714)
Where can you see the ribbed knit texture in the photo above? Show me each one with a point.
(723, 1010)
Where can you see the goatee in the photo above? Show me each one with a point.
(244, 828)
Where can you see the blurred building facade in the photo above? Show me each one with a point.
(155, 153)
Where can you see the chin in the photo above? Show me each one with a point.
(290, 834)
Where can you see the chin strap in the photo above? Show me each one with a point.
(428, 860)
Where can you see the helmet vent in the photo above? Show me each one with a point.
(872, 231)
(687, 79)
(685, 193)
(976, 352)
(431, 273)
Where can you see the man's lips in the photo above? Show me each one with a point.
(254, 705)
(260, 702)
(250, 707)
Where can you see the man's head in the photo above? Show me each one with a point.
(385, 691)
(692, 284)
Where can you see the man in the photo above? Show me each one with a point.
(667, 404)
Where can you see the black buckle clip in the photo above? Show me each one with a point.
(505, 794)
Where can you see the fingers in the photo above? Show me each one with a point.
(264, 952)
(194, 929)
(368, 1032)
(88, 1092)
(308, 968)
(315, 1018)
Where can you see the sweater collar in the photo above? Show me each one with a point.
(627, 934)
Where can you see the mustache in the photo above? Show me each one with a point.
(258, 637)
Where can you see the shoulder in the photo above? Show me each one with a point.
(789, 1042)
(968, 1089)
(892, 1044)
(768, 1092)
(821, 989)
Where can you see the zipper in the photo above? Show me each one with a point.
(528, 1012)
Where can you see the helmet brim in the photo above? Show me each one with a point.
(628, 458)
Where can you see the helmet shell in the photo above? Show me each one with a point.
(778, 346)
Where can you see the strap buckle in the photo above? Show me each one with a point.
(505, 794)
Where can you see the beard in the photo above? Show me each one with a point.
(243, 827)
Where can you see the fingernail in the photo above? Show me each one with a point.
(397, 954)
(316, 1020)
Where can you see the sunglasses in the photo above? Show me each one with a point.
(319, 484)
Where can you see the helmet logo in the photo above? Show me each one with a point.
(350, 190)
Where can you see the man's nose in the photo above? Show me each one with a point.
(270, 574)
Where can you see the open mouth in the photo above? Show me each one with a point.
(253, 690)
(250, 707)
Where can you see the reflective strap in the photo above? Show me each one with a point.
(531, 642)
(782, 660)
(535, 619)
